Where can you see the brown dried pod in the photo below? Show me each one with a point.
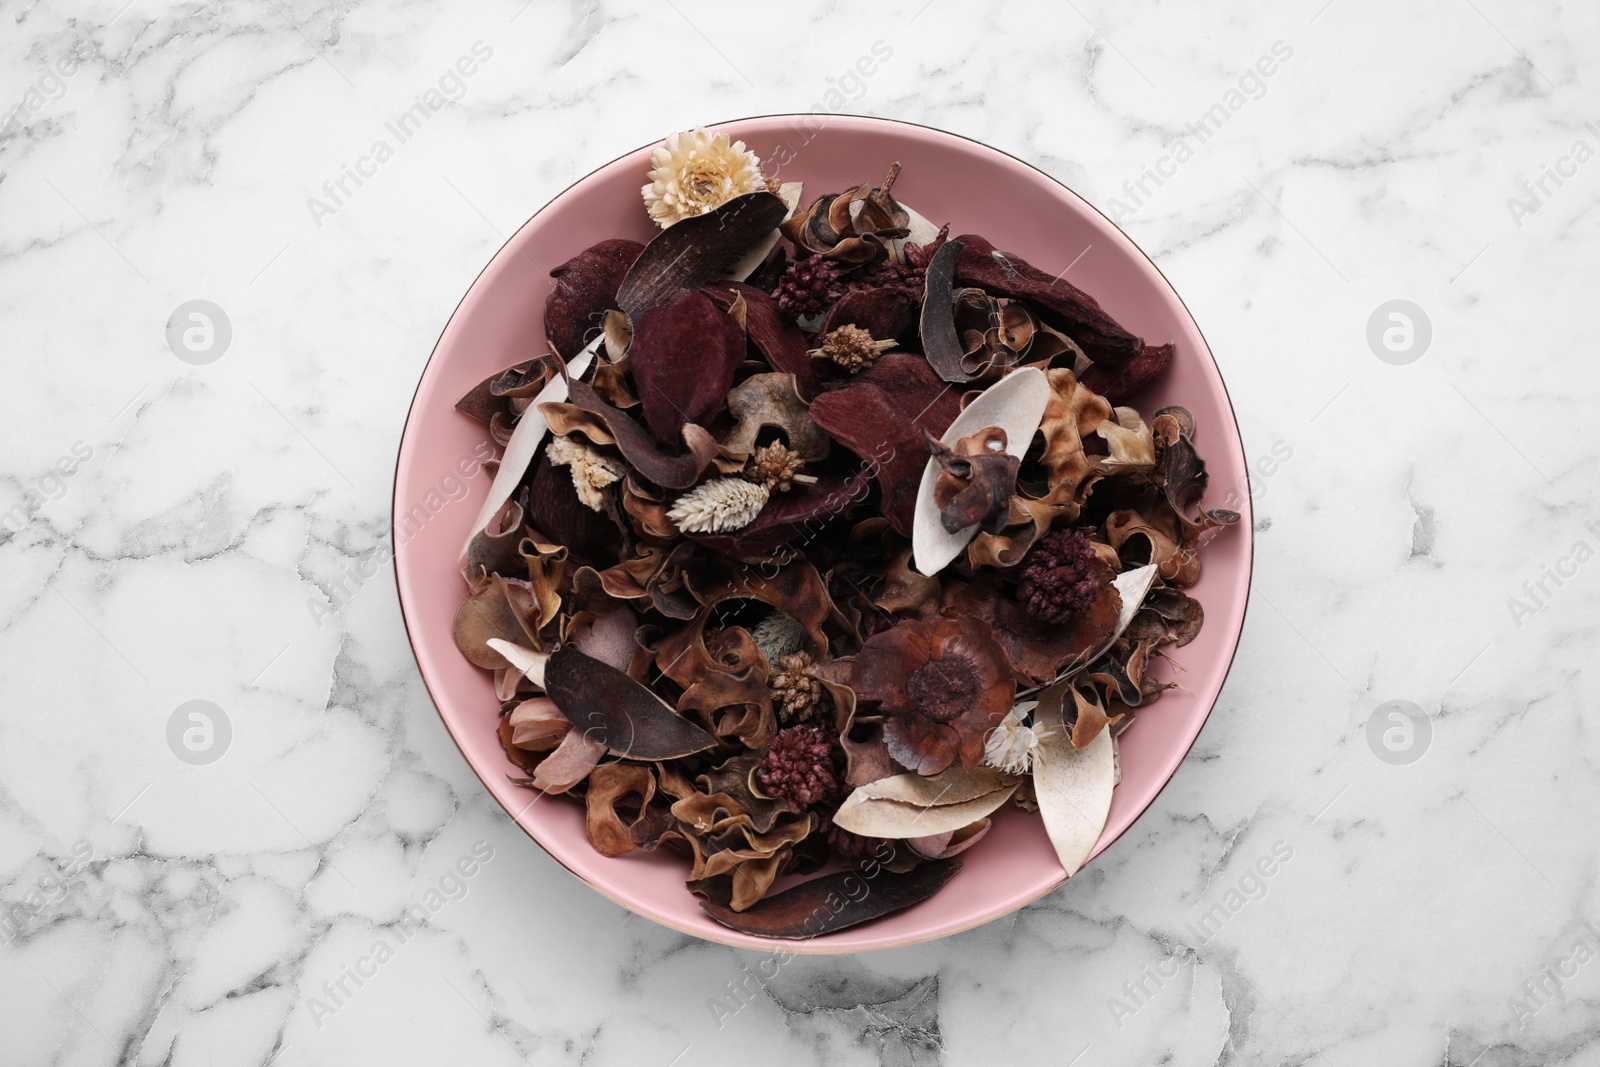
(976, 478)
(612, 709)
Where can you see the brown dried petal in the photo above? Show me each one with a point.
(585, 288)
(603, 424)
(690, 253)
(487, 614)
(887, 313)
(835, 901)
(683, 356)
(610, 835)
(614, 710)
(773, 333)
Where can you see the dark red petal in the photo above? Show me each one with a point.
(585, 288)
(888, 314)
(683, 356)
(773, 333)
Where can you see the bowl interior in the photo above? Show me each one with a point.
(948, 179)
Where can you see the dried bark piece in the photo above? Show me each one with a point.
(835, 902)
(683, 356)
(1059, 302)
(940, 341)
(585, 289)
(614, 710)
(691, 253)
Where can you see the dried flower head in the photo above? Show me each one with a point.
(797, 693)
(942, 684)
(1061, 576)
(774, 466)
(718, 506)
(808, 286)
(799, 767)
(695, 171)
(592, 471)
(852, 348)
(778, 635)
(1010, 746)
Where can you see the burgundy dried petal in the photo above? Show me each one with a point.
(683, 356)
(792, 518)
(887, 314)
(585, 288)
(688, 254)
(880, 416)
(555, 511)
(1059, 302)
(1120, 386)
(835, 901)
(775, 336)
(614, 710)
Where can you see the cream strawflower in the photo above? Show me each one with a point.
(1009, 746)
(695, 171)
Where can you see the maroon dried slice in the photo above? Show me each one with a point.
(683, 356)
(688, 254)
(614, 710)
(1059, 302)
(1119, 386)
(835, 901)
(888, 313)
(586, 288)
(774, 334)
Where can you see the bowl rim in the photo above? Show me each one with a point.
(819, 945)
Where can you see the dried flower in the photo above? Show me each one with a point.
(778, 635)
(1010, 746)
(943, 685)
(887, 274)
(808, 286)
(695, 171)
(852, 348)
(1061, 576)
(592, 471)
(854, 227)
(718, 506)
(796, 690)
(799, 767)
(774, 466)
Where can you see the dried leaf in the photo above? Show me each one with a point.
(835, 901)
(1072, 787)
(911, 805)
(614, 710)
(692, 252)
(773, 333)
(1118, 386)
(585, 288)
(1016, 404)
(523, 447)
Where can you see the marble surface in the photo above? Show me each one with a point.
(171, 529)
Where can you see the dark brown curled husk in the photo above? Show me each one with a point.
(1059, 302)
(835, 901)
(940, 341)
(585, 288)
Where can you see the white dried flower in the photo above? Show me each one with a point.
(695, 171)
(591, 471)
(718, 506)
(1010, 745)
(778, 635)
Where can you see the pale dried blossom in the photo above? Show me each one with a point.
(592, 471)
(778, 635)
(796, 690)
(695, 171)
(1010, 746)
(718, 506)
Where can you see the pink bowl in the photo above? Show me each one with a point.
(948, 179)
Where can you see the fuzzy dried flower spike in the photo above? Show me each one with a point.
(592, 471)
(852, 348)
(695, 171)
(718, 506)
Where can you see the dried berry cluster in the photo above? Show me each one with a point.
(820, 569)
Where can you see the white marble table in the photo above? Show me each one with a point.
(175, 532)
